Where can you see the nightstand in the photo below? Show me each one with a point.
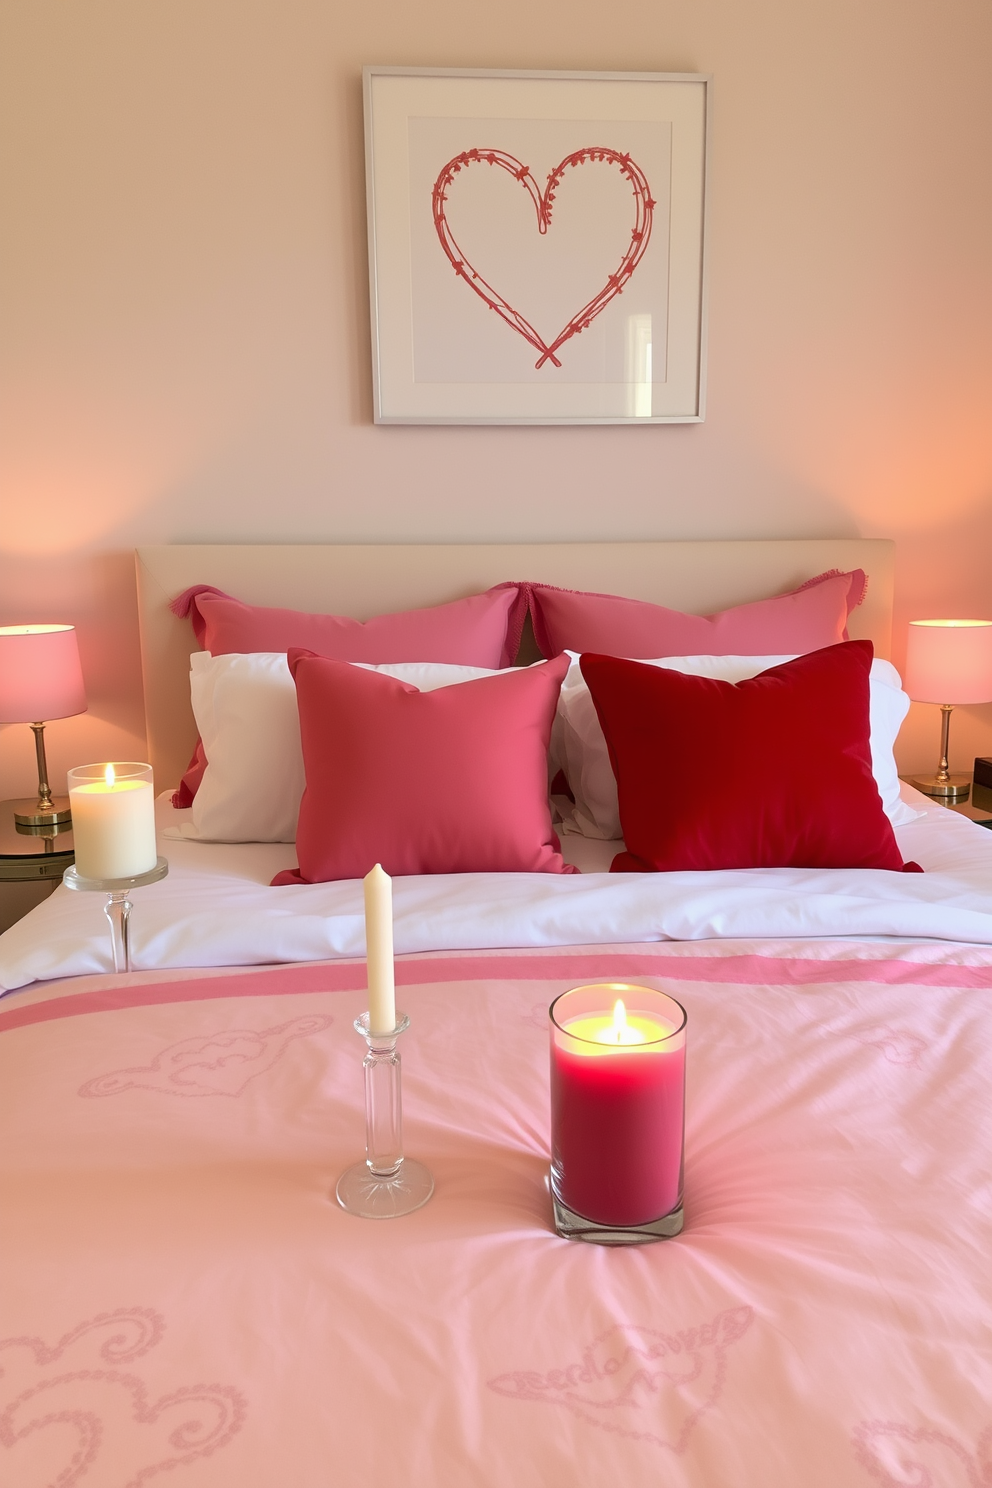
(977, 808)
(32, 862)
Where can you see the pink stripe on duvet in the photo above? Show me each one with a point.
(347, 976)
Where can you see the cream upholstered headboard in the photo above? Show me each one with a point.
(361, 581)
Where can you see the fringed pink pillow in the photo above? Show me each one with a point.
(482, 630)
(812, 616)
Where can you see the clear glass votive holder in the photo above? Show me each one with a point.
(113, 819)
(617, 1113)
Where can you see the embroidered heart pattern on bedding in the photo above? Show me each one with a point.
(69, 1407)
(639, 1382)
(895, 1045)
(212, 1064)
(913, 1457)
(640, 234)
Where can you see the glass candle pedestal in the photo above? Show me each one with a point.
(118, 906)
(617, 1113)
(387, 1184)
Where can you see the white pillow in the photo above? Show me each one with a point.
(579, 748)
(245, 710)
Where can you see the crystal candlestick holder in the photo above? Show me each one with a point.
(118, 906)
(386, 1184)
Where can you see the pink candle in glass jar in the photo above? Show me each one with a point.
(617, 1103)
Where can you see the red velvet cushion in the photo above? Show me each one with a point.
(774, 772)
(812, 616)
(451, 781)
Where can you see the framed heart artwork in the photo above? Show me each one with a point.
(536, 246)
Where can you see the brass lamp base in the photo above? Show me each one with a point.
(954, 788)
(31, 812)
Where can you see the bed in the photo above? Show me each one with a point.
(179, 1292)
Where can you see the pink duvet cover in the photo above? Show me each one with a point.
(178, 1291)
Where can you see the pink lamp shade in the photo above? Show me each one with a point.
(949, 661)
(40, 675)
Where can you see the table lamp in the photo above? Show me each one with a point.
(948, 662)
(40, 678)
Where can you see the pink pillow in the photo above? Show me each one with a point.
(182, 796)
(451, 781)
(812, 616)
(784, 762)
(483, 630)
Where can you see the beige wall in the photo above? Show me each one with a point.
(184, 336)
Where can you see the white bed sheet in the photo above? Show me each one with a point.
(216, 907)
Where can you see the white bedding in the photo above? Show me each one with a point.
(216, 907)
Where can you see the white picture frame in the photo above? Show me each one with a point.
(481, 312)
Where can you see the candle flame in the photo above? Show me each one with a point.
(109, 775)
(614, 1031)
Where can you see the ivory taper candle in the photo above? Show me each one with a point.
(379, 950)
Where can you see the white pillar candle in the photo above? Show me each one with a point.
(379, 951)
(113, 820)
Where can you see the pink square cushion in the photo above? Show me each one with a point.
(812, 616)
(773, 772)
(451, 781)
(482, 630)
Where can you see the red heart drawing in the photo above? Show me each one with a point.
(543, 202)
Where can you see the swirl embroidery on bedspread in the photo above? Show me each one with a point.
(212, 1064)
(639, 1382)
(897, 1047)
(904, 1457)
(55, 1424)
